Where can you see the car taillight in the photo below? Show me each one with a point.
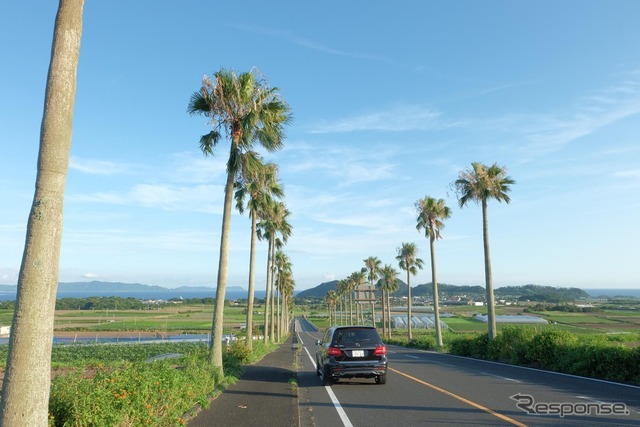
(332, 351)
(380, 350)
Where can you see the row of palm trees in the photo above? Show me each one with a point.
(247, 111)
(478, 184)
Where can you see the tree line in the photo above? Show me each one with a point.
(241, 108)
(478, 184)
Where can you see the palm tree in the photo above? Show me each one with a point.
(342, 287)
(409, 261)
(246, 110)
(261, 186)
(332, 299)
(372, 264)
(274, 221)
(27, 378)
(479, 184)
(388, 283)
(283, 270)
(329, 300)
(431, 212)
(356, 279)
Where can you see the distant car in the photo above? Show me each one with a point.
(351, 352)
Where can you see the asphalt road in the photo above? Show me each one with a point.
(428, 388)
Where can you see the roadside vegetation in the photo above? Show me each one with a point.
(118, 384)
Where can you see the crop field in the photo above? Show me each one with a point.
(624, 321)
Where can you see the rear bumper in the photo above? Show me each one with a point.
(357, 370)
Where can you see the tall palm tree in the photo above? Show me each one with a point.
(388, 283)
(356, 279)
(431, 212)
(283, 271)
(479, 184)
(245, 109)
(27, 378)
(332, 299)
(342, 287)
(372, 264)
(261, 186)
(273, 222)
(408, 260)
(327, 299)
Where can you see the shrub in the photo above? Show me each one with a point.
(132, 393)
(424, 342)
(550, 345)
(475, 346)
(512, 344)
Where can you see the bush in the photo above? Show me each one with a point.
(476, 346)
(549, 346)
(424, 342)
(132, 393)
(512, 344)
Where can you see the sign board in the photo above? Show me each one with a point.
(365, 293)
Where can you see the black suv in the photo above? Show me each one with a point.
(351, 352)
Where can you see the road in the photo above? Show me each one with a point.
(428, 388)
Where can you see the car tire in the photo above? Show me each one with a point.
(326, 377)
(381, 379)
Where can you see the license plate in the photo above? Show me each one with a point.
(357, 353)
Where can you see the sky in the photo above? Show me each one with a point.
(390, 102)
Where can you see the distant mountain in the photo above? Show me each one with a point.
(426, 289)
(321, 290)
(118, 287)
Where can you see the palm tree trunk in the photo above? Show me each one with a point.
(267, 294)
(436, 297)
(223, 270)
(272, 326)
(388, 314)
(409, 307)
(250, 296)
(384, 315)
(278, 313)
(491, 308)
(27, 379)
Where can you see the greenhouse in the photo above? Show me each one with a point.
(513, 319)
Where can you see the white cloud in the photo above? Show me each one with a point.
(198, 198)
(399, 119)
(90, 275)
(98, 167)
(546, 133)
(635, 173)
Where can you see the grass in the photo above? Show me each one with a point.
(113, 385)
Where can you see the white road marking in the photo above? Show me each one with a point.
(412, 356)
(336, 403)
(501, 377)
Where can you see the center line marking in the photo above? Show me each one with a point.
(461, 399)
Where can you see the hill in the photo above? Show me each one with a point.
(541, 293)
(118, 287)
(321, 290)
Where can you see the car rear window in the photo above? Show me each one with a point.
(349, 336)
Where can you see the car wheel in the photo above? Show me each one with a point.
(381, 379)
(326, 377)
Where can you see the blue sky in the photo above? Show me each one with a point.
(390, 103)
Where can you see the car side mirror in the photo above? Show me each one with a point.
(318, 342)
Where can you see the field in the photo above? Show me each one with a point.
(623, 322)
(170, 320)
